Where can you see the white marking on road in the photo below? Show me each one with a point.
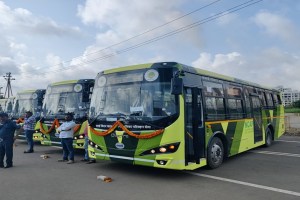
(247, 184)
(276, 153)
(288, 141)
(56, 147)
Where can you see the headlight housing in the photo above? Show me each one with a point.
(94, 145)
(168, 148)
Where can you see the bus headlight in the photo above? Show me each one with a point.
(162, 149)
(168, 148)
(92, 144)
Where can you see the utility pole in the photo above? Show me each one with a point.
(8, 89)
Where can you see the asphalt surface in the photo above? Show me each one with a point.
(264, 173)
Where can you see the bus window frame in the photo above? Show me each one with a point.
(214, 117)
(229, 114)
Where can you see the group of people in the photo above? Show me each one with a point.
(7, 138)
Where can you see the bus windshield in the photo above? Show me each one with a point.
(23, 105)
(9, 105)
(61, 99)
(133, 98)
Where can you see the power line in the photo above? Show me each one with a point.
(179, 30)
(138, 35)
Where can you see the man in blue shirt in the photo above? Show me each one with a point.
(7, 130)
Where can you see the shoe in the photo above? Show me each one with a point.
(70, 162)
(28, 151)
(8, 166)
(84, 160)
(62, 160)
(91, 161)
(1, 166)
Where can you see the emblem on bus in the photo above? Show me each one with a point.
(119, 145)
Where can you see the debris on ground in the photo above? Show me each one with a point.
(45, 156)
(104, 178)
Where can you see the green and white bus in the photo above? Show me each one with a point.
(3, 105)
(27, 100)
(63, 97)
(173, 116)
(9, 105)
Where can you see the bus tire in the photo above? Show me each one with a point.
(269, 138)
(215, 153)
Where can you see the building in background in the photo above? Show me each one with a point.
(288, 95)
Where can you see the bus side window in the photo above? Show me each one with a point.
(235, 108)
(262, 97)
(247, 102)
(275, 100)
(269, 100)
(279, 99)
(215, 109)
(214, 100)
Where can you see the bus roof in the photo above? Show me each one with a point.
(30, 91)
(70, 82)
(185, 68)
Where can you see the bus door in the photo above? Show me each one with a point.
(194, 129)
(257, 118)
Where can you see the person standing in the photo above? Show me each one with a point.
(86, 145)
(66, 133)
(29, 124)
(7, 130)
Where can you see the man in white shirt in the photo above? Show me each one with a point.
(66, 133)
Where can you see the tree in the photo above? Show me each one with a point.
(296, 104)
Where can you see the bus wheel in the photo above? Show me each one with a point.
(215, 153)
(268, 138)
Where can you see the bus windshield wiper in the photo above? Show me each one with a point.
(95, 118)
(119, 114)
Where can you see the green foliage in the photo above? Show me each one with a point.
(291, 110)
(296, 104)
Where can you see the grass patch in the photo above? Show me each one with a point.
(292, 110)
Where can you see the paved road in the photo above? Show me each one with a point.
(264, 173)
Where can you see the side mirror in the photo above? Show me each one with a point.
(176, 86)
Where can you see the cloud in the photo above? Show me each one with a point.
(270, 67)
(227, 19)
(277, 26)
(118, 24)
(22, 21)
(7, 64)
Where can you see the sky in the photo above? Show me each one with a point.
(45, 41)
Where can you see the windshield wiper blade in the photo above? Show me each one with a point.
(93, 120)
(119, 114)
